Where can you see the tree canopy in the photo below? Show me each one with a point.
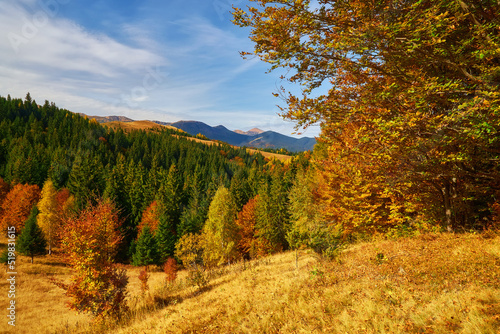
(407, 94)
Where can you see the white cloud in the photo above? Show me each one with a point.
(195, 73)
(38, 50)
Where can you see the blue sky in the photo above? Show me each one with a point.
(149, 59)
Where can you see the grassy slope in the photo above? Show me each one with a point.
(146, 125)
(428, 284)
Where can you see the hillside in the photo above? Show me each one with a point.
(256, 139)
(434, 283)
(136, 125)
(149, 125)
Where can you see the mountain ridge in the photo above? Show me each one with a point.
(255, 137)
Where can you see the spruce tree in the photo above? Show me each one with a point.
(146, 249)
(31, 242)
(166, 238)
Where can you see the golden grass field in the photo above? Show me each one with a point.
(148, 125)
(433, 283)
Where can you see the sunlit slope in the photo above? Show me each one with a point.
(149, 126)
(431, 284)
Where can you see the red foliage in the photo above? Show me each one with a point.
(17, 205)
(170, 268)
(144, 277)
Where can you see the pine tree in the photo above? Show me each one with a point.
(31, 242)
(146, 250)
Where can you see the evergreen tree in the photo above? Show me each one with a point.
(146, 250)
(31, 242)
(166, 238)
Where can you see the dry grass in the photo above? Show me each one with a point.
(429, 284)
(138, 125)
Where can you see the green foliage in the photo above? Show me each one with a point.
(4, 256)
(131, 169)
(32, 242)
(146, 249)
(273, 218)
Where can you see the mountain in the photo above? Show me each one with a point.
(253, 138)
(251, 132)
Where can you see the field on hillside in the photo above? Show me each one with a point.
(434, 283)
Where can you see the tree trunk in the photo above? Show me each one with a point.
(447, 205)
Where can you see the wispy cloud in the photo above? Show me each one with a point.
(149, 66)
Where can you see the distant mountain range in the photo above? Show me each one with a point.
(253, 138)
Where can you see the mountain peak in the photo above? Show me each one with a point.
(251, 132)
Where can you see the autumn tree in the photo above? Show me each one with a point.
(150, 218)
(409, 103)
(189, 250)
(220, 230)
(246, 221)
(17, 205)
(90, 242)
(32, 242)
(48, 217)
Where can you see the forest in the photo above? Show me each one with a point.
(409, 145)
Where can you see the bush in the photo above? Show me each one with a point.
(170, 268)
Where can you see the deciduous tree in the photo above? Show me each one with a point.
(48, 219)
(17, 205)
(220, 230)
(90, 242)
(409, 103)
(246, 221)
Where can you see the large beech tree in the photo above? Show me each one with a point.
(90, 242)
(409, 103)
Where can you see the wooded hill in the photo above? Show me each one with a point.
(136, 170)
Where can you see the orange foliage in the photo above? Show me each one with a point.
(151, 218)
(17, 205)
(246, 228)
(170, 268)
(90, 241)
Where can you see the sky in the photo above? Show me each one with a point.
(165, 60)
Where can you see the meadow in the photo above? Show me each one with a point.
(432, 283)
